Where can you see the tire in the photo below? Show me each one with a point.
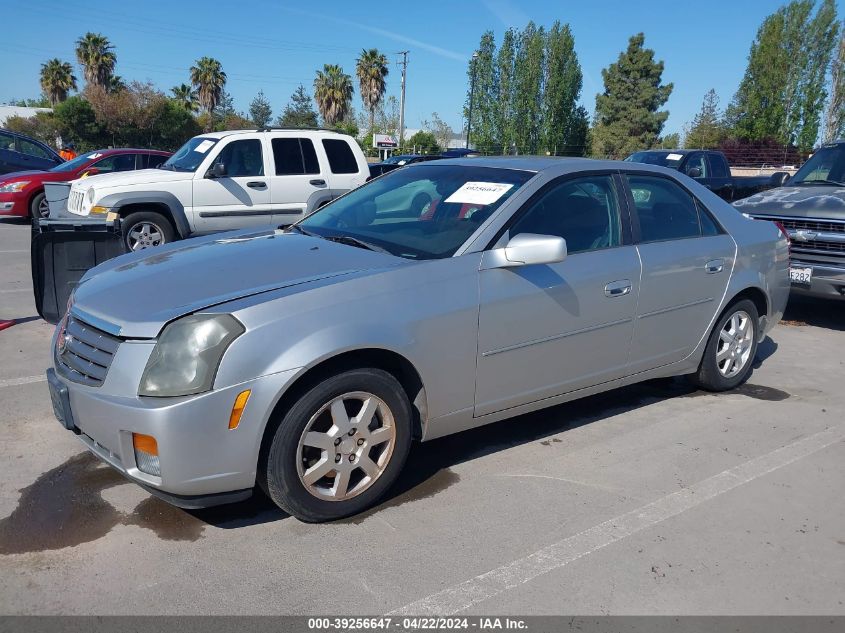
(292, 473)
(38, 207)
(728, 360)
(145, 229)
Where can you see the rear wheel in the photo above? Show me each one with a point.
(340, 447)
(730, 351)
(145, 229)
(39, 208)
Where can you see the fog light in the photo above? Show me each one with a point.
(146, 454)
(238, 408)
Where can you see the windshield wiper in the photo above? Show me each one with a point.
(354, 241)
(820, 181)
(299, 229)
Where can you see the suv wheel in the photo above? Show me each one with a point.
(340, 447)
(39, 208)
(730, 349)
(145, 229)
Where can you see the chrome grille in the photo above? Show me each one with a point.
(84, 353)
(812, 225)
(809, 236)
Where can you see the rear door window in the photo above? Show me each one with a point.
(718, 166)
(340, 155)
(665, 210)
(294, 156)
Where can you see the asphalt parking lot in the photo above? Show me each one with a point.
(655, 499)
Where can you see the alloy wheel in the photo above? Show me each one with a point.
(346, 446)
(735, 342)
(144, 235)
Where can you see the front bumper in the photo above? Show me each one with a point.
(13, 204)
(828, 281)
(202, 461)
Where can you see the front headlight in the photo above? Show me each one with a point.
(187, 354)
(14, 187)
(90, 195)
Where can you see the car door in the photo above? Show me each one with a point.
(687, 260)
(35, 156)
(297, 176)
(8, 153)
(544, 330)
(241, 196)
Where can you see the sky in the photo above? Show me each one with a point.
(275, 46)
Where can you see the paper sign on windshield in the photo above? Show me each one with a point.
(674, 157)
(202, 148)
(94, 155)
(483, 193)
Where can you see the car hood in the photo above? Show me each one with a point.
(137, 177)
(21, 175)
(826, 202)
(136, 294)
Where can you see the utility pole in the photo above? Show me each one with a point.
(404, 64)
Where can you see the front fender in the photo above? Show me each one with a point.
(120, 200)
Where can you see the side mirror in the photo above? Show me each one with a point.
(217, 171)
(779, 178)
(694, 172)
(529, 248)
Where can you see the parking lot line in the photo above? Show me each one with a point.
(12, 382)
(487, 585)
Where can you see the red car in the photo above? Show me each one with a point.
(22, 192)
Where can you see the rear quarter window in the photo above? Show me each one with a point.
(340, 155)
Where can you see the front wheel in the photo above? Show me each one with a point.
(340, 447)
(145, 229)
(730, 351)
(39, 208)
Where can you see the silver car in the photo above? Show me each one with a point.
(437, 298)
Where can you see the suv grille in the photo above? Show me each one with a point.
(813, 237)
(74, 202)
(813, 225)
(84, 353)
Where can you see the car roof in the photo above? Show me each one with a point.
(225, 133)
(544, 163)
(125, 150)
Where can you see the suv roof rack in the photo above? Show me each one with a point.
(270, 128)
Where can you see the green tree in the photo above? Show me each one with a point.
(483, 89)
(299, 112)
(669, 141)
(371, 69)
(186, 97)
(260, 110)
(77, 122)
(208, 79)
(562, 122)
(628, 115)
(441, 130)
(782, 93)
(333, 93)
(528, 89)
(834, 126)
(98, 59)
(423, 142)
(706, 130)
(504, 120)
(57, 79)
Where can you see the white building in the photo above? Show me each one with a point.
(7, 111)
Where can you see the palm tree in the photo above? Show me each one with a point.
(57, 80)
(186, 97)
(97, 56)
(371, 70)
(208, 79)
(333, 93)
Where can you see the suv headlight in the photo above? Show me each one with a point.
(91, 194)
(187, 354)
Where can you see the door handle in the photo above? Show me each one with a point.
(256, 184)
(318, 182)
(714, 266)
(618, 288)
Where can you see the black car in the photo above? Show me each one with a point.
(22, 153)
(811, 209)
(710, 168)
(399, 160)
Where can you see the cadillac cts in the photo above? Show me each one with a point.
(434, 299)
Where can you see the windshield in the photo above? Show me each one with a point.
(190, 155)
(77, 162)
(421, 212)
(663, 159)
(825, 166)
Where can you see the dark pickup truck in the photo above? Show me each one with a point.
(710, 168)
(811, 208)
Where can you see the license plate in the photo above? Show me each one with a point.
(61, 401)
(801, 275)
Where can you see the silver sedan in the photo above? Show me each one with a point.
(440, 297)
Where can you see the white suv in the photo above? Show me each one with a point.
(225, 180)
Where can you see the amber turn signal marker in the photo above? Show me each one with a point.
(238, 408)
(145, 443)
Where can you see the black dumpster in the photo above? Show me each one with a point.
(62, 251)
